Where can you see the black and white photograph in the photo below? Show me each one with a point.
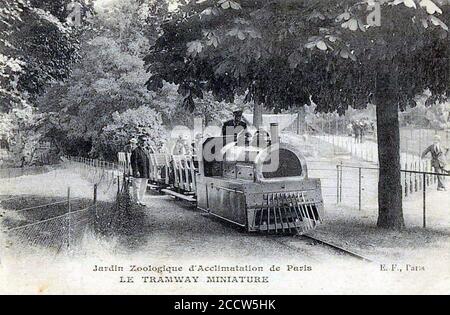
(224, 147)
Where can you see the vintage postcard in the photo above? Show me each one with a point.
(224, 147)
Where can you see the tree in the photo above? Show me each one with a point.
(436, 116)
(108, 77)
(37, 48)
(282, 52)
(131, 123)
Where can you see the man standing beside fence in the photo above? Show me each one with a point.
(438, 160)
(139, 166)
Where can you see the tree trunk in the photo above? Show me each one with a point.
(390, 212)
(301, 120)
(257, 115)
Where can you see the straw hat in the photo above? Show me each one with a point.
(237, 110)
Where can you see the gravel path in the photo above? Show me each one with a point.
(174, 229)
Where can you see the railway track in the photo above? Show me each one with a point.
(287, 241)
(282, 241)
(337, 248)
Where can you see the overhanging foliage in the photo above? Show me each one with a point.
(280, 53)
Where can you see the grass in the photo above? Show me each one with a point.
(22, 205)
(359, 233)
(13, 215)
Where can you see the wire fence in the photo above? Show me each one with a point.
(100, 164)
(58, 225)
(25, 171)
(356, 185)
(413, 140)
(339, 131)
(61, 224)
(117, 180)
(368, 151)
(104, 174)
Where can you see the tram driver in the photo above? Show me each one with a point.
(235, 126)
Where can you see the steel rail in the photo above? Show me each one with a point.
(338, 248)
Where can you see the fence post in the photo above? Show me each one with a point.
(420, 185)
(69, 210)
(424, 201)
(411, 185)
(420, 140)
(360, 189)
(341, 182)
(337, 184)
(416, 188)
(95, 200)
(406, 181)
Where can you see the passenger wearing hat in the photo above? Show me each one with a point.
(234, 126)
(139, 166)
(438, 160)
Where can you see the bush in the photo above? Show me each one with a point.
(131, 123)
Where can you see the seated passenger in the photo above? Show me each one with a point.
(261, 139)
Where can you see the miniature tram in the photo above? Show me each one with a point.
(242, 185)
